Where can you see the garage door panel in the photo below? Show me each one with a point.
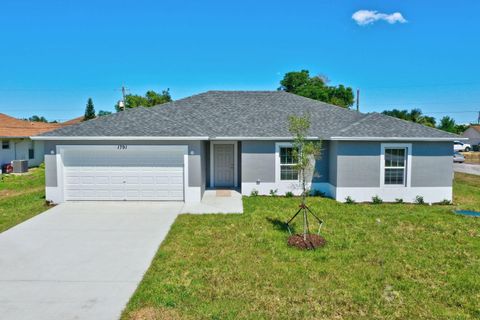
(145, 174)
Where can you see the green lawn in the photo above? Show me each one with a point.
(381, 261)
(21, 197)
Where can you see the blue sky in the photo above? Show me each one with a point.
(56, 54)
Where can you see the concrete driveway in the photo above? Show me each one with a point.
(467, 168)
(80, 260)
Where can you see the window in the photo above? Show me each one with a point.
(288, 162)
(31, 153)
(5, 144)
(395, 166)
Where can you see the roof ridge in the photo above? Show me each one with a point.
(365, 116)
(415, 123)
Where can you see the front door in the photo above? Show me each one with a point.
(223, 165)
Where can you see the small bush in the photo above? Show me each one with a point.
(377, 200)
(399, 200)
(349, 200)
(318, 193)
(289, 194)
(273, 193)
(419, 200)
(254, 193)
(446, 202)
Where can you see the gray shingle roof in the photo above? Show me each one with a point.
(216, 114)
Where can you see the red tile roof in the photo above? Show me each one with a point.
(15, 128)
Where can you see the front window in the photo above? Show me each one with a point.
(395, 166)
(5, 144)
(288, 162)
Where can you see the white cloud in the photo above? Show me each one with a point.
(364, 17)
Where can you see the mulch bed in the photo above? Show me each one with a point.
(313, 241)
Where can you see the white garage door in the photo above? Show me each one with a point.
(124, 172)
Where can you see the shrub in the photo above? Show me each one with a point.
(318, 193)
(377, 200)
(349, 200)
(446, 202)
(289, 194)
(273, 193)
(399, 200)
(254, 193)
(419, 200)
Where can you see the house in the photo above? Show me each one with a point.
(240, 139)
(16, 143)
(473, 135)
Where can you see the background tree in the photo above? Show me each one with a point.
(415, 115)
(301, 83)
(102, 113)
(36, 118)
(460, 128)
(448, 124)
(150, 99)
(89, 110)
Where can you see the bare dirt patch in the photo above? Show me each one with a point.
(312, 241)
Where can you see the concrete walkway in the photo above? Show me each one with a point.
(217, 201)
(467, 168)
(80, 260)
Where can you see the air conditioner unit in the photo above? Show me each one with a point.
(20, 166)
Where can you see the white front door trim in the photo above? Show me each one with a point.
(235, 161)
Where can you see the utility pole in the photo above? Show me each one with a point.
(358, 101)
(478, 120)
(121, 103)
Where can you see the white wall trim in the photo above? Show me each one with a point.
(395, 139)
(430, 194)
(261, 138)
(264, 188)
(119, 138)
(408, 169)
(212, 161)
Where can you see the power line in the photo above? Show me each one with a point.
(423, 85)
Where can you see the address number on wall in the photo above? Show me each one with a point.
(122, 147)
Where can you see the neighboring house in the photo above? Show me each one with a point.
(240, 139)
(16, 143)
(473, 135)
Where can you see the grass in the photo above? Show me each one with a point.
(395, 261)
(21, 197)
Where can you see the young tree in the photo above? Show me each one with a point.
(89, 110)
(305, 153)
(301, 83)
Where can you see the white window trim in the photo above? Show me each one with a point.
(408, 169)
(279, 145)
(235, 162)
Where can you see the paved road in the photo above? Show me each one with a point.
(80, 260)
(467, 168)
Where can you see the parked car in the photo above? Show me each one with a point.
(461, 147)
(458, 157)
